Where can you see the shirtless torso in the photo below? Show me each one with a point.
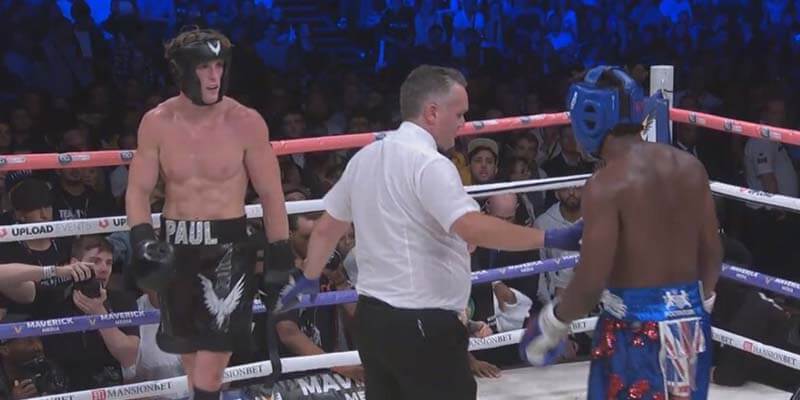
(651, 255)
(656, 190)
(202, 161)
(206, 148)
(649, 221)
(205, 157)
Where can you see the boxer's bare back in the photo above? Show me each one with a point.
(649, 221)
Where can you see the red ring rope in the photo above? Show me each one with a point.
(282, 147)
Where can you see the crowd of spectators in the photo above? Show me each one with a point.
(77, 77)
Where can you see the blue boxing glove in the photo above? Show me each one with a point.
(290, 294)
(544, 340)
(568, 238)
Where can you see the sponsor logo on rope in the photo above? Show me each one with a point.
(731, 126)
(700, 121)
(3, 232)
(3, 161)
(787, 286)
(745, 275)
(99, 394)
(119, 221)
(122, 317)
(50, 325)
(525, 120)
(103, 223)
(579, 326)
(493, 340)
(18, 328)
(81, 157)
(724, 339)
(478, 125)
(758, 193)
(15, 160)
(92, 321)
(239, 373)
(64, 159)
(764, 132)
(772, 354)
(693, 118)
(747, 346)
(31, 230)
(126, 155)
(149, 388)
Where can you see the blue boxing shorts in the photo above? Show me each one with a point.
(651, 343)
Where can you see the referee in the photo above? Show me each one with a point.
(412, 221)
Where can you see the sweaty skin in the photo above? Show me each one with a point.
(649, 221)
(205, 156)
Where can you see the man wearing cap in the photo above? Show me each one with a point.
(206, 147)
(482, 157)
(32, 202)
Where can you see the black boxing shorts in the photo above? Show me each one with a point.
(209, 304)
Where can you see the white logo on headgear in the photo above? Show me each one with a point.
(214, 46)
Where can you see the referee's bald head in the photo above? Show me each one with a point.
(425, 83)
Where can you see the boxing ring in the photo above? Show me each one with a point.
(562, 381)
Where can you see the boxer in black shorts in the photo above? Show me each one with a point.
(207, 148)
(208, 304)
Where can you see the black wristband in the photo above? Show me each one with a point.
(279, 255)
(140, 233)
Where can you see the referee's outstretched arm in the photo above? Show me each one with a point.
(493, 233)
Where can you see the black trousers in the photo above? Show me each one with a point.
(413, 354)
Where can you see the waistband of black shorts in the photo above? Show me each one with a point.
(203, 232)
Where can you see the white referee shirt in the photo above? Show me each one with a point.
(765, 156)
(402, 197)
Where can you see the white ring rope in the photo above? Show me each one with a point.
(89, 226)
(178, 385)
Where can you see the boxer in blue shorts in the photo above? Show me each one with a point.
(651, 239)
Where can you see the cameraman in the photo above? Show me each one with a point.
(26, 373)
(17, 281)
(95, 358)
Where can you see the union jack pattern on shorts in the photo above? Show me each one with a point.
(681, 341)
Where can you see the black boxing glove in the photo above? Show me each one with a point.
(153, 261)
(278, 267)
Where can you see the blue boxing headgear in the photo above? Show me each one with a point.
(595, 110)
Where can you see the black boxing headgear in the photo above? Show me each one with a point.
(191, 49)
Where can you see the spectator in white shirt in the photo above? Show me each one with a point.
(151, 362)
(562, 214)
(769, 168)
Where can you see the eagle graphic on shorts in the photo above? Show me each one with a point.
(222, 308)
